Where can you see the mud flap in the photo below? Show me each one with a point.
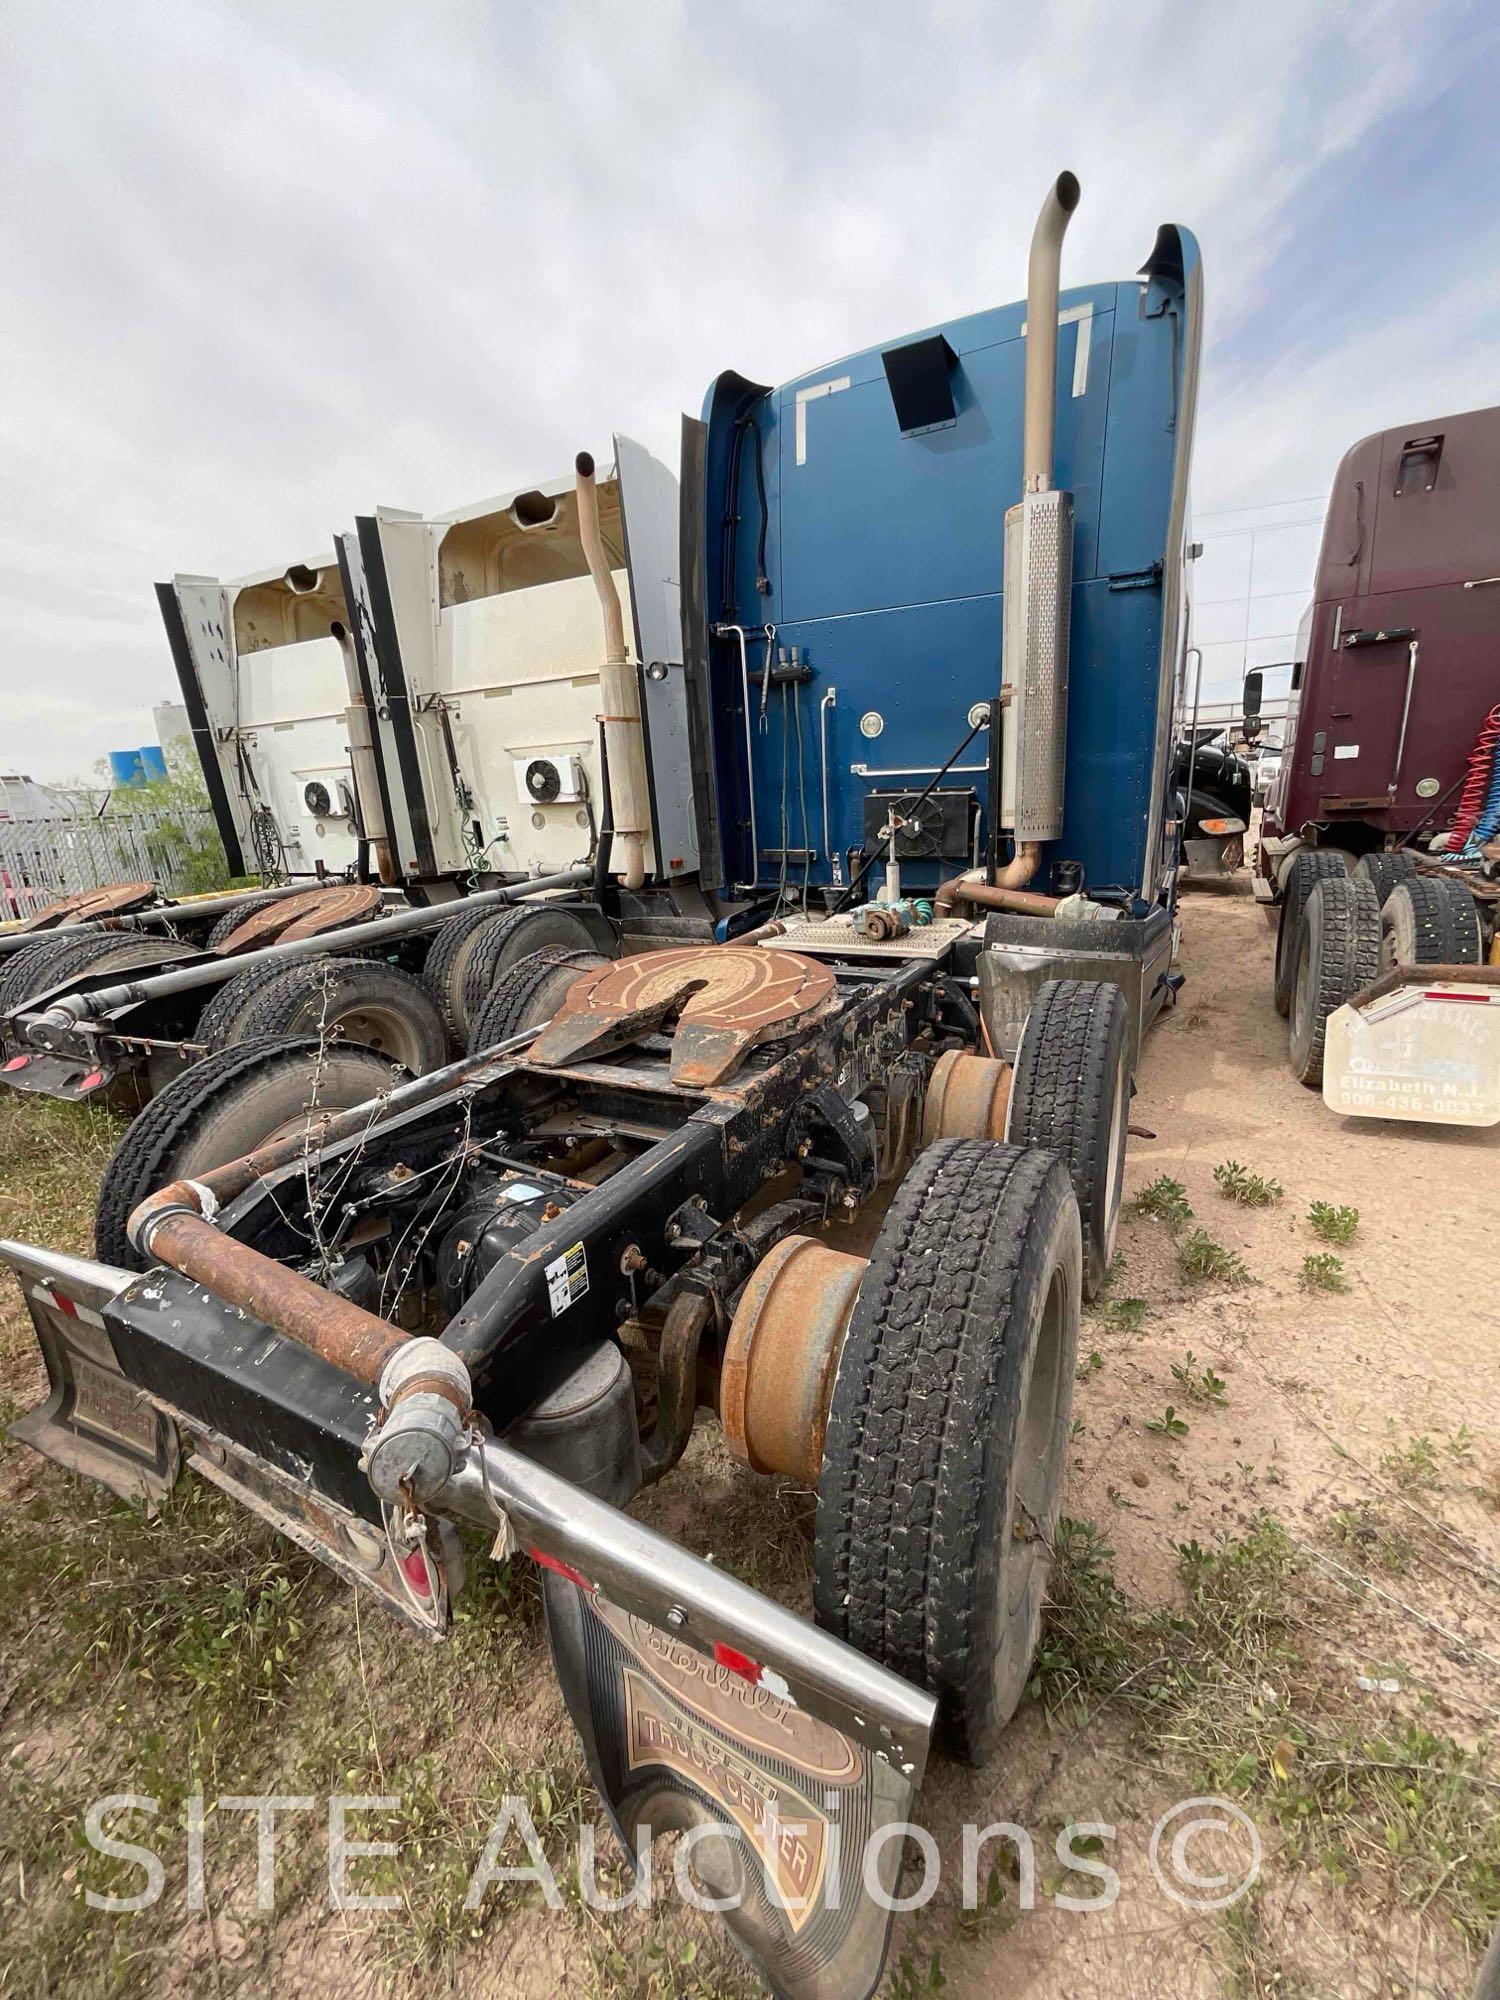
(67, 1077)
(414, 1567)
(1421, 1045)
(94, 1421)
(789, 1805)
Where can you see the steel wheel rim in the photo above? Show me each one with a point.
(1116, 1181)
(1028, 1525)
(372, 1026)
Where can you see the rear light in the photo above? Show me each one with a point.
(555, 1563)
(17, 1062)
(91, 1082)
(1222, 825)
(736, 1662)
(414, 1569)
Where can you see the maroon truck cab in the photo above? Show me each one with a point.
(1398, 657)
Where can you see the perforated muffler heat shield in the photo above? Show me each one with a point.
(1038, 587)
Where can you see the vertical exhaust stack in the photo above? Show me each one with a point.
(629, 796)
(1039, 568)
(362, 762)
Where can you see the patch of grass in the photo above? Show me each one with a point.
(1221, 1686)
(1460, 1445)
(1090, 1365)
(1167, 1200)
(1365, 1529)
(1412, 1466)
(1236, 1183)
(911, 1978)
(1204, 1261)
(1201, 1384)
(1121, 1315)
(1249, 1963)
(204, 1602)
(1168, 1424)
(1323, 1272)
(1333, 1223)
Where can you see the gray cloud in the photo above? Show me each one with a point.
(265, 266)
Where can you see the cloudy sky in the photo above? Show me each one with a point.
(267, 266)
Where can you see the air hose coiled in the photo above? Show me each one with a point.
(1478, 813)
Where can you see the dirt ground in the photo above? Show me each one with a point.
(1352, 1433)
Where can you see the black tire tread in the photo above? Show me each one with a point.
(446, 992)
(1383, 870)
(1444, 920)
(504, 1013)
(27, 972)
(136, 1167)
(1062, 1094)
(893, 1569)
(275, 1011)
(1341, 927)
(232, 919)
(495, 949)
(1310, 865)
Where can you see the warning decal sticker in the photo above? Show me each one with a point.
(567, 1279)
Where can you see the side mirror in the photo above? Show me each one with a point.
(1254, 690)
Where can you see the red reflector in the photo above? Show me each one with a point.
(545, 1561)
(1433, 994)
(737, 1662)
(64, 1304)
(414, 1567)
(18, 1062)
(91, 1082)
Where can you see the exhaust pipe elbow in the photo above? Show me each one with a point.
(1043, 283)
(1019, 870)
(634, 873)
(590, 534)
(177, 1198)
(625, 743)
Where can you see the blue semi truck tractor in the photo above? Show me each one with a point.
(838, 1182)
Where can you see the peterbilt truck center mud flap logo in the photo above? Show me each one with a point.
(677, 1742)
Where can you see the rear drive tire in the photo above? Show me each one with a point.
(1337, 956)
(1383, 871)
(1071, 1094)
(1310, 865)
(1430, 920)
(513, 935)
(448, 962)
(947, 1434)
(223, 1107)
(529, 994)
(28, 972)
(95, 952)
(352, 1000)
(232, 919)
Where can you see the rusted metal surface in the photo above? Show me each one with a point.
(676, 1382)
(719, 1003)
(972, 888)
(783, 1347)
(311, 914)
(1426, 975)
(967, 1098)
(90, 905)
(176, 1234)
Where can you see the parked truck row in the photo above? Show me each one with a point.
(1378, 843)
(801, 840)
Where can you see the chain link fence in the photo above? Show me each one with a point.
(42, 860)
